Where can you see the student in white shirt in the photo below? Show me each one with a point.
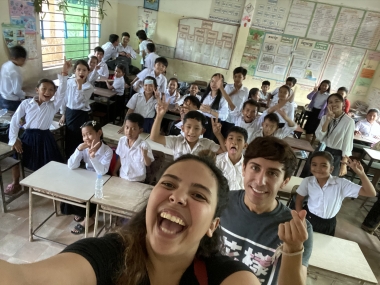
(214, 105)
(254, 94)
(150, 59)
(134, 153)
(93, 64)
(11, 92)
(124, 49)
(37, 143)
(97, 156)
(193, 91)
(111, 50)
(369, 127)
(118, 85)
(193, 126)
(263, 93)
(231, 162)
(290, 82)
(160, 66)
(76, 106)
(326, 192)
(102, 68)
(143, 41)
(172, 94)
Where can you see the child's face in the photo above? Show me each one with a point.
(194, 89)
(45, 91)
(132, 130)
(342, 92)
(118, 72)
(265, 88)
(320, 167)
(249, 113)
(372, 117)
(290, 84)
(255, 96)
(99, 55)
(149, 88)
(238, 78)
(335, 103)
(159, 67)
(19, 61)
(192, 129)
(91, 136)
(323, 87)
(283, 94)
(125, 40)
(214, 83)
(235, 144)
(81, 71)
(172, 86)
(269, 128)
(92, 63)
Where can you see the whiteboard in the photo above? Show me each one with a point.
(322, 23)
(299, 18)
(347, 26)
(205, 42)
(369, 33)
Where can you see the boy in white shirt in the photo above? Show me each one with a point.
(124, 49)
(191, 103)
(193, 91)
(369, 127)
(264, 94)
(193, 126)
(111, 50)
(150, 59)
(103, 68)
(290, 82)
(143, 41)
(93, 64)
(231, 162)
(11, 81)
(134, 153)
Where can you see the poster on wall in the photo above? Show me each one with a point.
(369, 33)
(16, 35)
(246, 19)
(252, 50)
(228, 11)
(271, 15)
(147, 21)
(347, 26)
(322, 23)
(299, 18)
(366, 73)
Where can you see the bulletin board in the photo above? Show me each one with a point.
(205, 42)
(252, 50)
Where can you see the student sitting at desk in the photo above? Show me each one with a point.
(290, 82)
(326, 192)
(264, 94)
(111, 50)
(102, 68)
(231, 162)
(11, 92)
(134, 153)
(93, 64)
(172, 94)
(193, 126)
(124, 49)
(97, 156)
(150, 59)
(191, 103)
(254, 94)
(193, 91)
(118, 85)
(369, 127)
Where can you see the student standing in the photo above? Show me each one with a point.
(344, 92)
(150, 59)
(264, 92)
(143, 41)
(290, 82)
(111, 51)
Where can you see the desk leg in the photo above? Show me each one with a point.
(376, 178)
(87, 218)
(96, 220)
(30, 214)
(108, 110)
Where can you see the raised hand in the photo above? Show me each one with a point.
(216, 126)
(62, 120)
(83, 146)
(330, 114)
(144, 150)
(219, 81)
(281, 112)
(293, 233)
(205, 109)
(94, 148)
(355, 165)
(162, 106)
(66, 65)
(315, 88)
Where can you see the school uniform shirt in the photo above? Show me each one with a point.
(223, 107)
(238, 120)
(142, 47)
(368, 129)
(341, 137)
(92, 76)
(288, 108)
(233, 173)
(280, 133)
(264, 96)
(77, 99)
(128, 49)
(238, 98)
(103, 70)
(139, 105)
(119, 85)
(161, 80)
(100, 163)
(150, 60)
(179, 126)
(182, 99)
(11, 82)
(180, 146)
(326, 202)
(171, 99)
(37, 116)
(110, 51)
(132, 160)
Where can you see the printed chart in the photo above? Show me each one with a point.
(229, 11)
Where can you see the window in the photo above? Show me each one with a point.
(73, 33)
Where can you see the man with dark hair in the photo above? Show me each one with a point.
(125, 52)
(255, 223)
(111, 51)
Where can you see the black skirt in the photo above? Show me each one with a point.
(74, 119)
(10, 105)
(312, 122)
(39, 147)
(320, 225)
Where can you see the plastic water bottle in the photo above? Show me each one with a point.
(3, 112)
(99, 187)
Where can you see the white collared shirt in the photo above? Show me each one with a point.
(128, 49)
(100, 163)
(103, 70)
(77, 99)
(142, 47)
(233, 173)
(119, 85)
(171, 99)
(132, 160)
(288, 108)
(161, 80)
(341, 137)
(11, 82)
(368, 129)
(180, 146)
(182, 99)
(326, 202)
(280, 133)
(37, 116)
(150, 60)
(223, 106)
(264, 96)
(139, 105)
(110, 51)
(237, 98)
(238, 120)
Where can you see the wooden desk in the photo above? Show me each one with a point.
(107, 94)
(57, 182)
(110, 134)
(365, 140)
(334, 258)
(159, 147)
(374, 156)
(103, 79)
(299, 144)
(121, 198)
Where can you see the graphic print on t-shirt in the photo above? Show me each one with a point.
(256, 256)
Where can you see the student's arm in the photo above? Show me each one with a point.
(321, 131)
(302, 192)
(348, 144)
(59, 95)
(299, 202)
(17, 85)
(116, 167)
(74, 161)
(14, 127)
(241, 277)
(289, 121)
(347, 106)
(228, 98)
(109, 85)
(147, 154)
(367, 189)
(357, 128)
(216, 128)
(161, 108)
(291, 96)
(101, 164)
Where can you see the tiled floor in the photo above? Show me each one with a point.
(16, 248)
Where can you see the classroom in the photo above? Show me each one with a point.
(190, 142)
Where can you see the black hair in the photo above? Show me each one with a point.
(265, 82)
(162, 60)
(193, 83)
(113, 38)
(82, 62)
(340, 97)
(96, 126)
(196, 116)
(151, 47)
(215, 104)
(44, 80)
(286, 87)
(241, 70)
(253, 103)
(174, 79)
(154, 80)
(99, 49)
(324, 154)
(194, 100)
(292, 79)
(142, 36)
(343, 89)
(125, 34)
(327, 82)
(17, 52)
(239, 130)
(124, 70)
(135, 118)
(272, 117)
(252, 92)
(140, 32)
(94, 57)
(373, 110)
